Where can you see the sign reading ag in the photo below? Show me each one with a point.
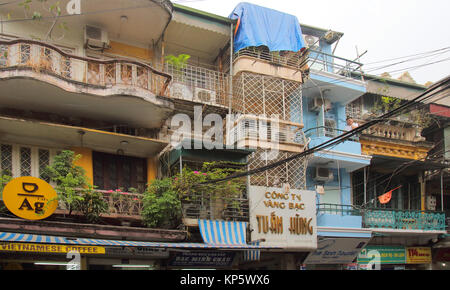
(30, 198)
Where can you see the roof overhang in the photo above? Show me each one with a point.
(55, 135)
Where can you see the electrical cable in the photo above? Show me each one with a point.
(347, 135)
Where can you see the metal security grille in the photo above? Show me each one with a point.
(292, 172)
(265, 95)
(25, 161)
(6, 159)
(44, 161)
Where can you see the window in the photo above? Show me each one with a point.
(23, 160)
(354, 109)
(113, 172)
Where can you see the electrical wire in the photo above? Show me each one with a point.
(430, 92)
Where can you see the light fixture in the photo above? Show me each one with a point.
(51, 263)
(124, 19)
(132, 266)
(124, 143)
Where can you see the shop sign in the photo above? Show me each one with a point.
(138, 251)
(283, 217)
(336, 251)
(49, 248)
(30, 198)
(418, 255)
(382, 255)
(202, 259)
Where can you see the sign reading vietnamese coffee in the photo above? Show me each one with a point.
(283, 217)
(48, 248)
(30, 198)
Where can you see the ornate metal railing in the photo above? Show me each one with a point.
(389, 218)
(404, 219)
(120, 204)
(45, 58)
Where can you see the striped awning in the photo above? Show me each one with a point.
(223, 233)
(32, 238)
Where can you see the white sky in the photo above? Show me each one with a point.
(385, 28)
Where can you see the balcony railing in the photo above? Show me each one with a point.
(127, 205)
(198, 84)
(321, 61)
(204, 207)
(337, 209)
(394, 132)
(45, 58)
(295, 60)
(389, 218)
(258, 131)
(404, 219)
(323, 131)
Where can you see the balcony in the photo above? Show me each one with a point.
(284, 64)
(77, 86)
(331, 73)
(203, 207)
(394, 141)
(404, 219)
(40, 57)
(251, 131)
(321, 61)
(380, 218)
(346, 155)
(200, 85)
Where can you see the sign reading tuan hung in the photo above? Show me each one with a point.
(283, 217)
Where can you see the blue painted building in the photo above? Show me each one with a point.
(325, 96)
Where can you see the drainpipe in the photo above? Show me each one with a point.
(442, 190)
(230, 95)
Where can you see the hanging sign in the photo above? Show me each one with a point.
(30, 198)
(418, 255)
(283, 217)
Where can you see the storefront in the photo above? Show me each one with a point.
(395, 258)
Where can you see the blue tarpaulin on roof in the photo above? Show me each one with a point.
(263, 26)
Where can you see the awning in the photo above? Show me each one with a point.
(223, 233)
(32, 238)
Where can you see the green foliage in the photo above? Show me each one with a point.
(161, 205)
(73, 188)
(5, 177)
(163, 198)
(179, 62)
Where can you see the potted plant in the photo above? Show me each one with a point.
(176, 65)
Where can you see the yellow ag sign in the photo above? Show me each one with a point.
(30, 198)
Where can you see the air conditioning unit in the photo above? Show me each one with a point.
(316, 104)
(323, 174)
(204, 96)
(95, 37)
(311, 41)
